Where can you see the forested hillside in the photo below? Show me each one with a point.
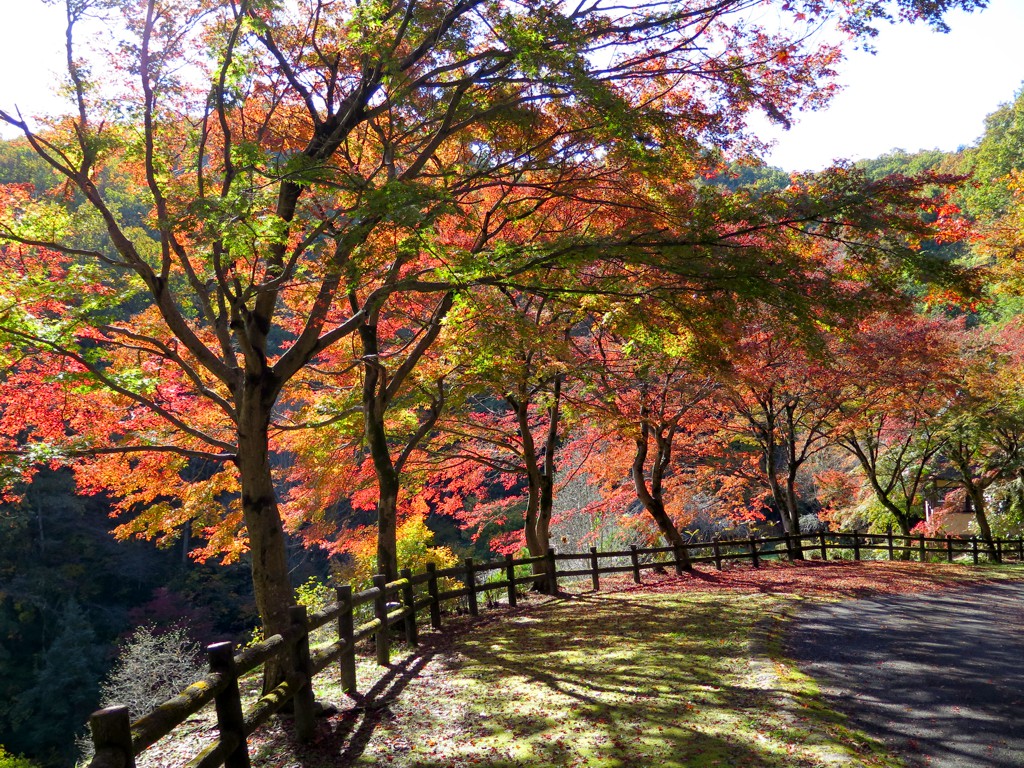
(411, 299)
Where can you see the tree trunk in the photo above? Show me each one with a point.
(981, 515)
(547, 476)
(270, 578)
(790, 519)
(536, 543)
(652, 498)
(374, 402)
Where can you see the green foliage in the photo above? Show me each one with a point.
(905, 163)
(314, 594)
(1000, 151)
(1009, 521)
(415, 550)
(64, 691)
(7, 760)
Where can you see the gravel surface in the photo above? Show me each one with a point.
(938, 677)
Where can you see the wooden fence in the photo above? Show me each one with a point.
(117, 741)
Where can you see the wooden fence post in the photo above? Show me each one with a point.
(470, 581)
(949, 548)
(888, 533)
(552, 569)
(432, 591)
(634, 558)
(789, 546)
(999, 549)
(856, 546)
(380, 612)
(1020, 549)
(510, 577)
(111, 729)
(595, 577)
(346, 631)
(823, 545)
(410, 605)
(974, 549)
(752, 543)
(228, 704)
(717, 552)
(305, 713)
(921, 549)
(677, 553)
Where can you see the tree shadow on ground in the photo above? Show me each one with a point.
(637, 679)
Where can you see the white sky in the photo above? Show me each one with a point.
(922, 90)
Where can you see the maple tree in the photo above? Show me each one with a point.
(898, 385)
(983, 423)
(643, 390)
(506, 429)
(784, 399)
(277, 148)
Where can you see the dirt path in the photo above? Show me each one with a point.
(938, 677)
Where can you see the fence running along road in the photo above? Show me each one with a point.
(118, 741)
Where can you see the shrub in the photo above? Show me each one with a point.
(152, 666)
(414, 552)
(7, 760)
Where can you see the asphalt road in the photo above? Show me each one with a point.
(937, 677)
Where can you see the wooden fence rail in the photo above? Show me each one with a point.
(117, 741)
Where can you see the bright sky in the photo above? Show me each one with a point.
(922, 90)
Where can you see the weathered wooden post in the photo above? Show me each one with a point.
(111, 730)
(789, 546)
(921, 548)
(634, 558)
(470, 581)
(510, 577)
(380, 612)
(888, 533)
(346, 633)
(409, 601)
(552, 569)
(974, 549)
(949, 548)
(716, 549)
(305, 712)
(856, 546)
(999, 549)
(677, 553)
(595, 577)
(228, 705)
(432, 591)
(752, 543)
(823, 545)
(1020, 549)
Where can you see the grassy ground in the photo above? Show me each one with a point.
(680, 672)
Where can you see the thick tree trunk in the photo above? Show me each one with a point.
(981, 516)
(270, 578)
(374, 403)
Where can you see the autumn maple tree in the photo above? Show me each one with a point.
(292, 163)
(889, 418)
(644, 392)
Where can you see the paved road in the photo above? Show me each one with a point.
(938, 677)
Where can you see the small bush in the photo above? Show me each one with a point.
(151, 667)
(414, 552)
(7, 760)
